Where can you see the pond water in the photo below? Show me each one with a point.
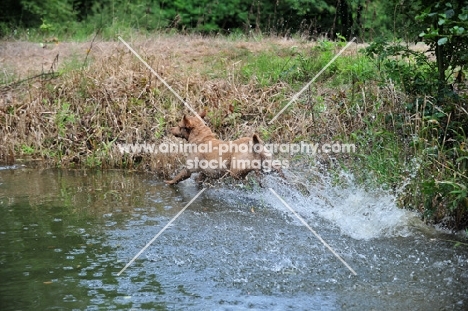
(65, 235)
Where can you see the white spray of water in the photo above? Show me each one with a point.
(358, 213)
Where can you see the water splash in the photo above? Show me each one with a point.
(359, 213)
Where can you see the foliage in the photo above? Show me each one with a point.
(399, 63)
(438, 114)
(310, 18)
(447, 35)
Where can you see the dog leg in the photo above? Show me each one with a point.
(258, 177)
(279, 171)
(180, 177)
(201, 178)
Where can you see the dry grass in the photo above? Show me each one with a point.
(74, 119)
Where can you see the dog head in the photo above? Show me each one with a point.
(187, 125)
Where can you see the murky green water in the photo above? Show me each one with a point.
(64, 236)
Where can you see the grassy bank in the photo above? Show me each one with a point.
(85, 98)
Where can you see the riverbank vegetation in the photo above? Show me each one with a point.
(70, 91)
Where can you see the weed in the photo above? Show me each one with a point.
(64, 118)
(406, 141)
(27, 150)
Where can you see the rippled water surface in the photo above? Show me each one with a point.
(64, 236)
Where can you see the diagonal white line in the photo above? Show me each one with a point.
(311, 81)
(161, 79)
(313, 231)
(160, 232)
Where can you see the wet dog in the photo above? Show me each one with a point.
(214, 158)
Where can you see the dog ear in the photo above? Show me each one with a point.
(202, 114)
(186, 121)
(256, 139)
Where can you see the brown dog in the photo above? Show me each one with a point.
(215, 158)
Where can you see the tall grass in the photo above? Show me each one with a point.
(405, 143)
